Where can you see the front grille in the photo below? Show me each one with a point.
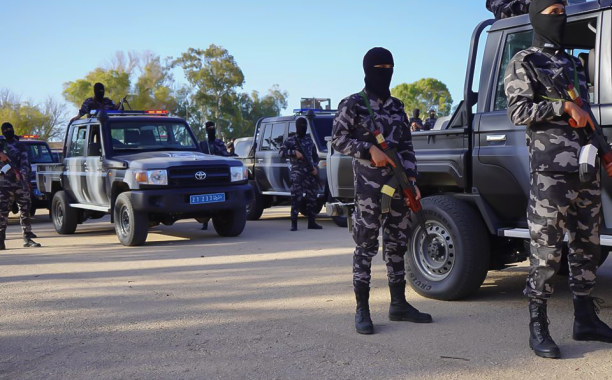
(186, 176)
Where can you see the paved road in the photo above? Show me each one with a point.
(268, 305)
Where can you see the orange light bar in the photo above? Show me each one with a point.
(156, 112)
(29, 136)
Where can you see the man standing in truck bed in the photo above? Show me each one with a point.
(510, 8)
(353, 135)
(537, 82)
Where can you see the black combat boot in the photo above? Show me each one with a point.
(363, 322)
(312, 224)
(28, 242)
(293, 224)
(2, 245)
(31, 235)
(400, 310)
(540, 340)
(205, 226)
(587, 325)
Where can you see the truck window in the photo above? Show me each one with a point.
(273, 137)
(39, 153)
(77, 144)
(515, 42)
(95, 142)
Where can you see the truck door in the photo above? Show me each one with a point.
(74, 181)
(269, 165)
(95, 173)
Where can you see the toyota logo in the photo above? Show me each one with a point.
(200, 176)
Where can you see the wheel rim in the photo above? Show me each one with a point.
(124, 221)
(58, 214)
(434, 259)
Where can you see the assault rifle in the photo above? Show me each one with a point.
(399, 181)
(574, 95)
(9, 166)
(307, 156)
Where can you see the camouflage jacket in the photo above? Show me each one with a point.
(350, 138)
(216, 148)
(535, 101)
(508, 8)
(290, 147)
(429, 124)
(92, 104)
(18, 154)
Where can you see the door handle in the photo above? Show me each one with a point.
(260, 160)
(496, 138)
(287, 160)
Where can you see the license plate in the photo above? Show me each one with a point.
(206, 198)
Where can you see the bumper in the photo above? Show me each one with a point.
(176, 201)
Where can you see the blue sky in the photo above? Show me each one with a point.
(309, 48)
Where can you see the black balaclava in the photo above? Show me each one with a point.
(211, 131)
(432, 114)
(548, 29)
(8, 131)
(301, 127)
(378, 80)
(99, 92)
(416, 114)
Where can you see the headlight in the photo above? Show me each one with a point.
(238, 173)
(152, 177)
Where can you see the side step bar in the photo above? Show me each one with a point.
(523, 233)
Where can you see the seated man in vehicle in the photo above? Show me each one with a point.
(510, 8)
(97, 102)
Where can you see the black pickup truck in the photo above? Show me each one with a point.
(269, 174)
(475, 168)
(143, 168)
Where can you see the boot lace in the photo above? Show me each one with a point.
(544, 323)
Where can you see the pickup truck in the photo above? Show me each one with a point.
(475, 168)
(143, 168)
(269, 174)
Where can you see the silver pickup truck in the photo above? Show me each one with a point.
(143, 169)
(475, 168)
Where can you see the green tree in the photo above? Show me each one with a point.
(116, 84)
(425, 94)
(215, 78)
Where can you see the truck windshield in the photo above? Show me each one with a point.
(149, 136)
(39, 153)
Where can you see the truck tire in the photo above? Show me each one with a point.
(341, 221)
(564, 267)
(230, 223)
(256, 208)
(456, 263)
(131, 226)
(65, 218)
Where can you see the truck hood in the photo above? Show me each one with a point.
(165, 159)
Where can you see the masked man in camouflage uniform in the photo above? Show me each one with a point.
(353, 135)
(510, 8)
(304, 181)
(15, 185)
(559, 202)
(431, 122)
(212, 145)
(97, 102)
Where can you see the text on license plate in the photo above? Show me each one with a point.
(206, 198)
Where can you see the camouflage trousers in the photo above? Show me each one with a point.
(303, 188)
(10, 193)
(558, 204)
(367, 221)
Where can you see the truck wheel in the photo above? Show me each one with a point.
(341, 221)
(65, 218)
(256, 207)
(456, 261)
(131, 226)
(230, 223)
(564, 267)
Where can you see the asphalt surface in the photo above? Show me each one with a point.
(269, 304)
